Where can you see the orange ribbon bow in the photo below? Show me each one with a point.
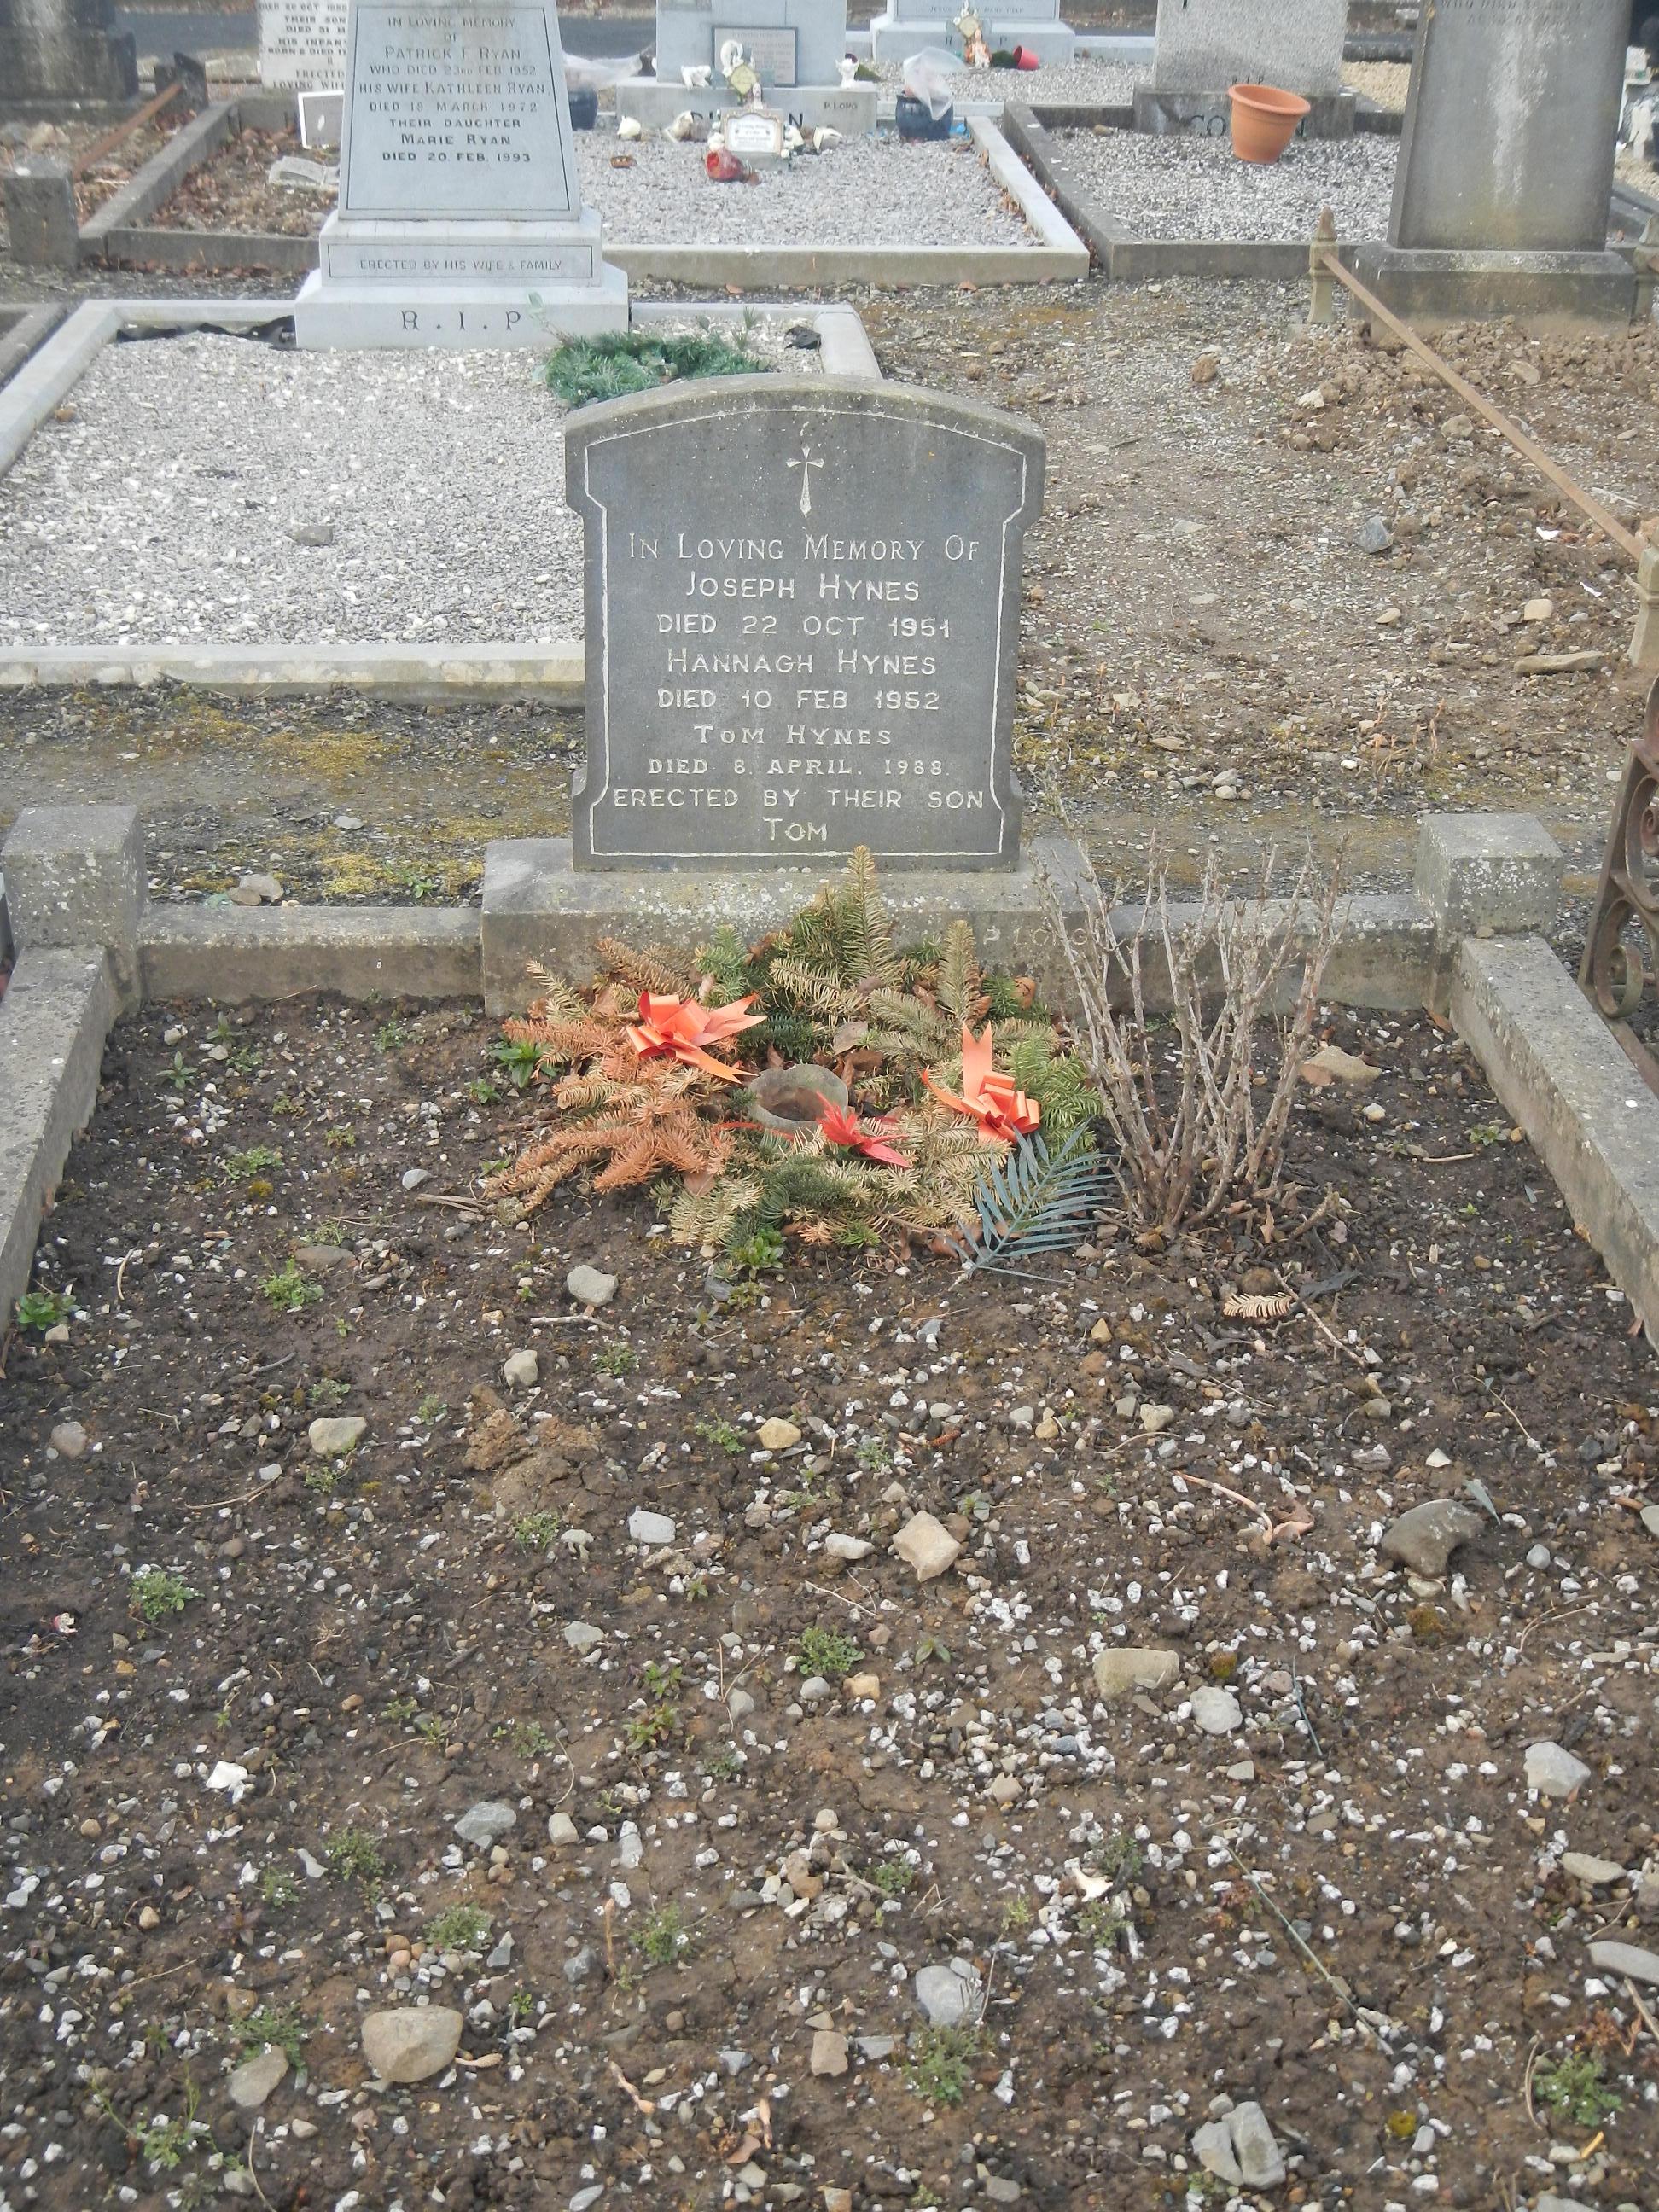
(1002, 1112)
(844, 1128)
(681, 1029)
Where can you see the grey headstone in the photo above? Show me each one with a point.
(1205, 45)
(1510, 125)
(40, 217)
(459, 193)
(790, 42)
(802, 624)
(65, 49)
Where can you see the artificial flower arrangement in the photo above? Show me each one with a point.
(822, 1085)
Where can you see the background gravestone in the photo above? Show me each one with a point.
(1501, 197)
(802, 625)
(910, 25)
(1205, 45)
(790, 42)
(55, 50)
(302, 45)
(1511, 125)
(459, 196)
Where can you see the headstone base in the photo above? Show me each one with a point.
(1425, 287)
(389, 281)
(655, 101)
(538, 907)
(895, 41)
(1209, 114)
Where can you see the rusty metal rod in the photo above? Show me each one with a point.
(84, 160)
(1323, 258)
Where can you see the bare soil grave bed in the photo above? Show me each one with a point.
(67, 140)
(232, 190)
(250, 1689)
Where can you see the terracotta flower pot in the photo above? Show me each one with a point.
(1264, 120)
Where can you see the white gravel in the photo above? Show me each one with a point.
(164, 512)
(868, 192)
(1198, 188)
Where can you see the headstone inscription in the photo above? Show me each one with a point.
(302, 45)
(1036, 25)
(802, 624)
(1501, 195)
(460, 220)
(65, 51)
(1203, 47)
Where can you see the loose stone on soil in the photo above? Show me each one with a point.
(1216, 1710)
(582, 1637)
(1425, 1538)
(848, 1547)
(948, 1995)
(1596, 1872)
(590, 1287)
(829, 2053)
(333, 1436)
(777, 1435)
(413, 2044)
(521, 1370)
(562, 1829)
(1118, 1672)
(68, 1440)
(1554, 1772)
(1630, 1959)
(253, 2081)
(485, 1823)
(654, 1529)
(927, 1546)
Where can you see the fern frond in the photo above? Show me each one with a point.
(660, 968)
(958, 973)
(1032, 1201)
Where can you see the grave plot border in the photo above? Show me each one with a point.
(1468, 938)
(1058, 256)
(24, 329)
(1124, 259)
(552, 674)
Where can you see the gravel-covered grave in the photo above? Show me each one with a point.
(210, 489)
(871, 191)
(874, 1739)
(1188, 187)
(1084, 83)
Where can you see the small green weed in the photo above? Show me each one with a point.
(725, 1436)
(1574, 2088)
(155, 1592)
(1017, 1915)
(290, 1291)
(534, 1532)
(258, 1160)
(178, 1077)
(44, 1309)
(326, 1393)
(830, 1652)
(1118, 1856)
(276, 2028)
(724, 1765)
(482, 1091)
(661, 1718)
(341, 1138)
(278, 1888)
(324, 1478)
(1100, 1923)
(431, 1411)
(617, 1359)
(392, 1034)
(758, 1253)
(528, 1739)
(400, 1711)
(893, 1877)
(521, 2006)
(660, 1937)
(353, 1855)
(518, 1061)
(941, 2063)
(458, 1928)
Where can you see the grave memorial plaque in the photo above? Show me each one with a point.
(772, 52)
(802, 624)
(1511, 121)
(302, 45)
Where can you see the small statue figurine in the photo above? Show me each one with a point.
(969, 29)
(848, 66)
(740, 73)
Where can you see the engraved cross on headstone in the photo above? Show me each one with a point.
(807, 462)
